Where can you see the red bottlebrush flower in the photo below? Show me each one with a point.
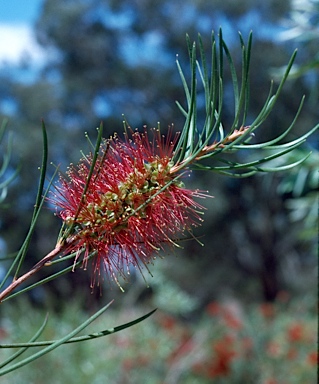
(295, 332)
(292, 354)
(247, 344)
(271, 381)
(134, 203)
(224, 355)
(214, 309)
(267, 310)
(169, 323)
(219, 364)
(185, 347)
(231, 320)
(274, 349)
(312, 358)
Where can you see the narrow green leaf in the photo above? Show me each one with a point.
(253, 165)
(55, 344)
(38, 201)
(24, 347)
(284, 167)
(233, 76)
(3, 128)
(91, 336)
(270, 143)
(23, 248)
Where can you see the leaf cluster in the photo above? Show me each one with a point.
(195, 138)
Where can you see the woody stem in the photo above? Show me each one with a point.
(32, 271)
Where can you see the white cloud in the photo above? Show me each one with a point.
(17, 41)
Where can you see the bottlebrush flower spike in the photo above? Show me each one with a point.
(134, 203)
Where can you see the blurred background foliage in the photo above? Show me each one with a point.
(272, 343)
(112, 57)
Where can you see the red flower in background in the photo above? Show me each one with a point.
(224, 355)
(214, 308)
(268, 310)
(271, 381)
(169, 323)
(295, 332)
(274, 349)
(185, 347)
(292, 354)
(231, 319)
(219, 363)
(135, 202)
(312, 358)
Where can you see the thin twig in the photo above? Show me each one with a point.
(58, 249)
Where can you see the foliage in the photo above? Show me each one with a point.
(206, 142)
(300, 188)
(6, 175)
(259, 343)
(303, 26)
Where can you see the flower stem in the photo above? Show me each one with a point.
(58, 249)
(207, 149)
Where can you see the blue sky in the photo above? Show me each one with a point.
(19, 11)
(16, 35)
